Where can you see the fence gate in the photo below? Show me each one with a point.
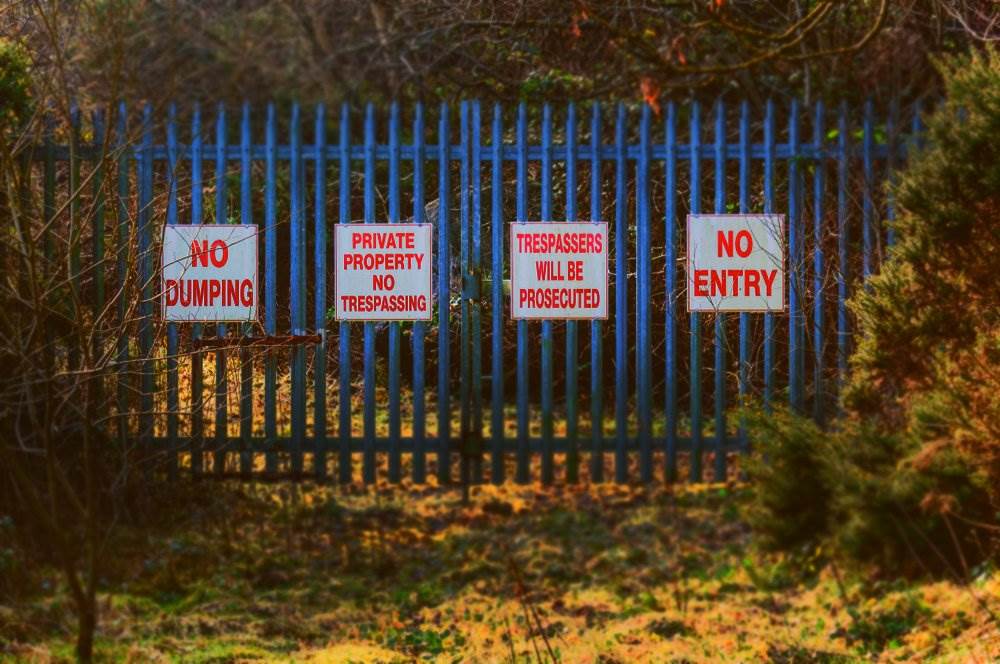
(472, 393)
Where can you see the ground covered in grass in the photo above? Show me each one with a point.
(596, 573)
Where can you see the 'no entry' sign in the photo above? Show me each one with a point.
(209, 273)
(559, 270)
(383, 272)
(735, 262)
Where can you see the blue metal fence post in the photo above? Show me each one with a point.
(497, 471)
(868, 206)
(173, 400)
(319, 307)
(145, 171)
(465, 323)
(843, 272)
(670, 269)
(75, 228)
(572, 449)
(596, 327)
(97, 245)
(720, 318)
(744, 349)
(643, 259)
(270, 291)
(395, 425)
(299, 196)
(621, 298)
(296, 287)
(769, 150)
(546, 350)
(122, 248)
(444, 299)
(419, 327)
(197, 361)
(98, 120)
(523, 414)
(819, 174)
(795, 263)
(221, 379)
(475, 294)
(344, 469)
(246, 359)
(694, 319)
(368, 456)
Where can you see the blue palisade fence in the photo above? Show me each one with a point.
(498, 166)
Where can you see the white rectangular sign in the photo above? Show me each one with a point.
(383, 272)
(736, 262)
(209, 272)
(559, 270)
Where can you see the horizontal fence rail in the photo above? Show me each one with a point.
(299, 395)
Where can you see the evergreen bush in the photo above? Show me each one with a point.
(908, 478)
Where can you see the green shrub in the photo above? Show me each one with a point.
(931, 317)
(908, 478)
(791, 499)
(865, 495)
(893, 502)
(15, 95)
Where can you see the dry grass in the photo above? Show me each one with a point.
(591, 573)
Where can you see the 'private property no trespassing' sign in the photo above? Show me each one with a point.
(382, 272)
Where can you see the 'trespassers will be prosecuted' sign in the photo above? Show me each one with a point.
(559, 270)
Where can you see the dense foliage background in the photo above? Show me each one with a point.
(359, 50)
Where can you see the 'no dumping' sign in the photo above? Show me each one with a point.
(209, 273)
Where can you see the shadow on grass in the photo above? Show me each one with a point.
(284, 566)
(387, 573)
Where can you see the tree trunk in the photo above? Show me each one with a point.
(86, 624)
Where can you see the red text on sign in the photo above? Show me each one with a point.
(725, 244)
(218, 253)
(368, 262)
(382, 303)
(559, 298)
(209, 292)
(383, 282)
(560, 243)
(382, 240)
(733, 282)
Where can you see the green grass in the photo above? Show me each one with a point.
(398, 574)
